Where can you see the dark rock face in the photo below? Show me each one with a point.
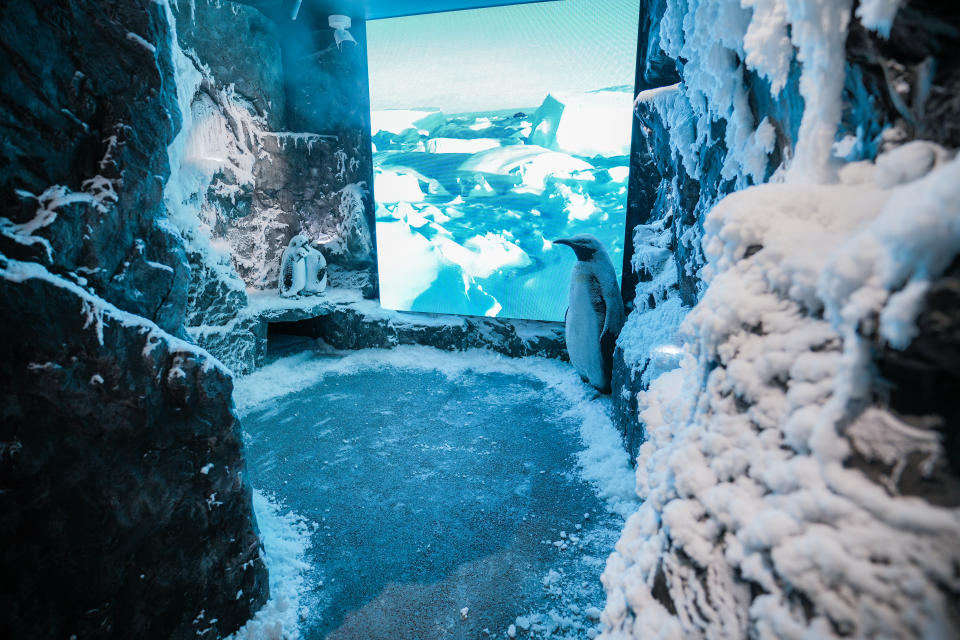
(86, 112)
(910, 78)
(309, 127)
(240, 46)
(124, 510)
(363, 325)
(113, 524)
(324, 188)
(626, 385)
(922, 383)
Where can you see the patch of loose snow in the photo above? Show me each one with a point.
(286, 538)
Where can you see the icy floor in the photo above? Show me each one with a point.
(445, 495)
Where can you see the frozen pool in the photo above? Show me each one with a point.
(444, 495)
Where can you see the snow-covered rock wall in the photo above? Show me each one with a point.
(123, 507)
(783, 369)
(243, 183)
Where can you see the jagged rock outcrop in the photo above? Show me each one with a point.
(125, 513)
(343, 319)
(240, 46)
(85, 127)
(920, 384)
(124, 510)
(364, 325)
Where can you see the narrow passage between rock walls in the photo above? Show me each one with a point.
(435, 494)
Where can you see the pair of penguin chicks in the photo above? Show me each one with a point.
(303, 269)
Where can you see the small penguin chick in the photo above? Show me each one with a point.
(293, 269)
(316, 271)
(595, 313)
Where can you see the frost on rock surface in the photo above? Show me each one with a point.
(748, 485)
(241, 186)
(783, 497)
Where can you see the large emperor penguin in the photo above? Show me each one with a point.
(594, 313)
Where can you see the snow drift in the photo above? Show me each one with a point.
(774, 477)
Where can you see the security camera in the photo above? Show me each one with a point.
(340, 24)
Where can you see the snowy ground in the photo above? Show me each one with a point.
(468, 205)
(416, 493)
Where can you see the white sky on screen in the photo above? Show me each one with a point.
(501, 57)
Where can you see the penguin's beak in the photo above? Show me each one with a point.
(563, 241)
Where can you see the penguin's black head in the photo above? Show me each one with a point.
(584, 245)
(298, 241)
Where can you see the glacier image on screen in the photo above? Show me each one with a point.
(496, 131)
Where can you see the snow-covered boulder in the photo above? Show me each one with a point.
(786, 446)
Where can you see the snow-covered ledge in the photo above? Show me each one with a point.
(345, 320)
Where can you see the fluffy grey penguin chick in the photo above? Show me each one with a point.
(293, 270)
(594, 313)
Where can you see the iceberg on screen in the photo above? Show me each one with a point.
(469, 196)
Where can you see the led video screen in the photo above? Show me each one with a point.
(497, 131)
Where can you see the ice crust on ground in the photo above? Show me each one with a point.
(603, 458)
(600, 460)
(743, 477)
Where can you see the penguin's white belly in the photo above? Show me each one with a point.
(583, 328)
